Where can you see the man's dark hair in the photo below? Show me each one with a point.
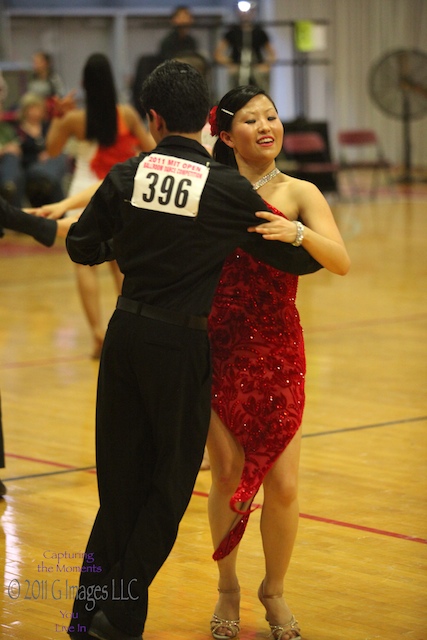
(179, 93)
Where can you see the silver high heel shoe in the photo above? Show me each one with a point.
(218, 623)
(277, 631)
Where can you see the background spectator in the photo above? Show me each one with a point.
(11, 178)
(179, 41)
(44, 81)
(43, 174)
(245, 49)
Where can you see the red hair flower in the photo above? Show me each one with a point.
(213, 121)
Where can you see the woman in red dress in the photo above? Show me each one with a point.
(259, 363)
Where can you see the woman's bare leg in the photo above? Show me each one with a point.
(88, 286)
(279, 525)
(226, 460)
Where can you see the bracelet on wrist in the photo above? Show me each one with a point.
(300, 234)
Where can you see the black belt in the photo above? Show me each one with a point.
(164, 315)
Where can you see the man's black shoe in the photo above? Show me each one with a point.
(3, 489)
(101, 628)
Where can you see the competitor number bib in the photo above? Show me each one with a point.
(169, 185)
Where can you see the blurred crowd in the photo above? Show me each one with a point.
(31, 176)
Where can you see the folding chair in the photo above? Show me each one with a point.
(309, 151)
(360, 150)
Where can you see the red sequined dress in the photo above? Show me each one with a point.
(258, 364)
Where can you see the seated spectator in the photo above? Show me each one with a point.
(44, 81)
(11, 176)
(43, 174)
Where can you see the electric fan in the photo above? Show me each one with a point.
(398, 85)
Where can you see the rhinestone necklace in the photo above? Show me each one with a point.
(262, 181)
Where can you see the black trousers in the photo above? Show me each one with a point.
(153, 409)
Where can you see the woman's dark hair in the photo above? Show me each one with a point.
(101, 100)
(228, 106)
(179, 93)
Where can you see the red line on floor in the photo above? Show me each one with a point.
(314, 330)
(42, 363)
(13, 249)
(361, 527)
(339, 523)
(373, 322)
(60, 465)
(203, 494)
(39, 460)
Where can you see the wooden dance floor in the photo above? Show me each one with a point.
(359, 567)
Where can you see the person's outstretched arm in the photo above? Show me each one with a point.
(58, 209)
(42, 230)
